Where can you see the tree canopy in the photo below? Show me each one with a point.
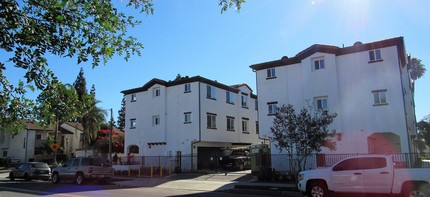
(417, 68)
(90, 31)
(424, 133)
(302, 133)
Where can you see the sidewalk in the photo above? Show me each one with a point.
(211, 182)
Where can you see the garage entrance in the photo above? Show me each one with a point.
(207, 157)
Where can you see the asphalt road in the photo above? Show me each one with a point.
(183, 185)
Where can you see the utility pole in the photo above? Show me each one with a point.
(110, 135)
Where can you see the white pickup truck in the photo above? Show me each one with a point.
(365, 175)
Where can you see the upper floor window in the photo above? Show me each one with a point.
(155, 120)
(156, 92)
(244, 100)
(320, 103)
(272, 107)
(211, 121)
(187, 87)
(256, 104)
(245, 125)
(133, 97)
(187, 117)
(379, 97)
(318, 64)
(257, 125)
(375, 55)
(133, 123)
(229, 97)
(230, 123)
(210, 92)
(271, 73)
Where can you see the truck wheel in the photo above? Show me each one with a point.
(79, 178)
(416, 191)
(317, 189)
(55, 178)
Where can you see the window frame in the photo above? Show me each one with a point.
(245, 125)
(320, 102)
(377, 100)
(156, 92)
(132, 123)
(210, 92)
(244, 100)
(373, 55)
(187, 87)
(271, 73)
(229, 97)
(133, 97)
(187, 117)
(230, 123)
(156, 120)
(211, 121)
(320, 61)
(272, 108)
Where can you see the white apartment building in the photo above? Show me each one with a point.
(190, 116)
(367, 85)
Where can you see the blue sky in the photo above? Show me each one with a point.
(191, 37)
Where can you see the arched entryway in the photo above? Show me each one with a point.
(133, 149)
(383, 143)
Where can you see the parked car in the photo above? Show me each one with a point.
(235, 159)
(31, 170)
(366, 175)
(80, 169)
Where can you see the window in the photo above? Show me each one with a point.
(375, 55)
(187, 87)
(210, 92)
(245, 125)
(244, 100)
(211, 121)
(155, 120)
(256, 105)
(133, 97)
(361, 164)
(379, 97)
(38, 136)
(132, 123)
(257, 130)
(271, 73)
(272, 106)
(229, 97)
(230, 123)
(156, 92)
(187, 117)
(320, 103)
(318, 64)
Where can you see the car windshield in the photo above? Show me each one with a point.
(40, 165)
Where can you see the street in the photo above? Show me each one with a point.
(178, 185)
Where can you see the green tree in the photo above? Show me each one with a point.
(56, 105)
(300, 134)
(31, 31)
(80, 85)
(121, 115)
(91, 119)
(417, 68)
(423, 127)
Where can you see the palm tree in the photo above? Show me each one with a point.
(92, 118)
